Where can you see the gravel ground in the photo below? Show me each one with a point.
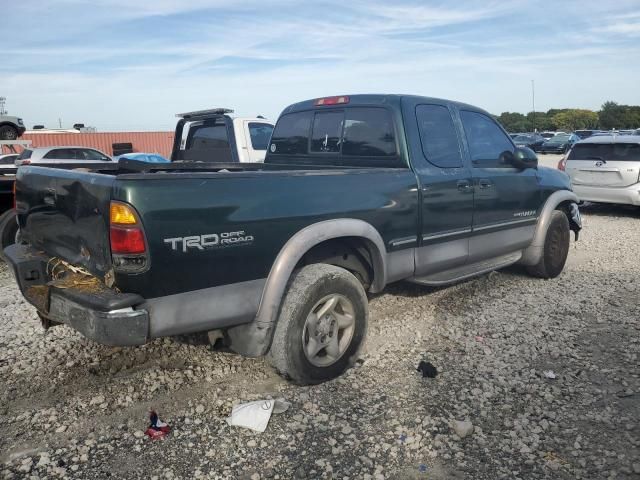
(73, 408)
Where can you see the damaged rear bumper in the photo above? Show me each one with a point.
(103, 315)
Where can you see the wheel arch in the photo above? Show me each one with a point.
(303, 242)
(254, 339)
(562, 199)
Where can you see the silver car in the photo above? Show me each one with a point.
(48, 155)
(606, 169)
(8, 161)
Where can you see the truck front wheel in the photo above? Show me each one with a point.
(321, 326)
(556, 248)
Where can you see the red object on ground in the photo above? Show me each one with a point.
(157, 434)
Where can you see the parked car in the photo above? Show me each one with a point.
(11, 128)
(559, 143)
(584, 133)
(143, 157)
(215, 135)
(605, 169)
(355, 192)
(550, 134)
(529, 140)
(51, 155)
(8, 161)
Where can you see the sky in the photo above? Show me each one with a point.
(134, 64)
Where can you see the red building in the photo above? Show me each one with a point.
(149, 142)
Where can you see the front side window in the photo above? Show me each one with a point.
(260, 134)
(438, 135)
(91, 155)
(487, 142)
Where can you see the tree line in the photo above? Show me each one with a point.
(611, 115)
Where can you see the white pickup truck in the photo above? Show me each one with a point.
(215, 135)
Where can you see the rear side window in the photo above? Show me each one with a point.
(368, 132)
(60, 154)
(487, 142)
(8, 160)
(606, 151)
(291, 135)
(438, 135)
(25, 154)
(260, 134)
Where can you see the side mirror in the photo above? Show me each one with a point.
(523, 158)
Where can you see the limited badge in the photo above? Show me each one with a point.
(273, 147)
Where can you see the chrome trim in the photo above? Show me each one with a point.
(403, 241)
(507, 223)
(446, 234)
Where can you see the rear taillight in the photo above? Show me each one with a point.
(126, 235)
(562, 163)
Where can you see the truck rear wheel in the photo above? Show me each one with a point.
(556, 248)
(321, 326)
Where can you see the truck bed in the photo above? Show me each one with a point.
(65, 214)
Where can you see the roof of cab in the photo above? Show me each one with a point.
(373, 99)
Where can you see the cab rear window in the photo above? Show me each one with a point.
(337, 133)
(606, 151)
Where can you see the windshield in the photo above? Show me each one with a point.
(606, 151)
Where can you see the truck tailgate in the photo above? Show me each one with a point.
(65, 213)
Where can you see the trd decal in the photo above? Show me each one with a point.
(209, 240)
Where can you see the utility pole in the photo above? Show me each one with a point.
(533, 103)
(59, 122)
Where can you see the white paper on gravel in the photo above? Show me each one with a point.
(256, 415)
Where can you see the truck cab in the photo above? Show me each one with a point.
(214, 135)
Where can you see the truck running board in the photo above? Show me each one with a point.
(467, 271)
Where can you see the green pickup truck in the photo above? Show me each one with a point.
(356, 192)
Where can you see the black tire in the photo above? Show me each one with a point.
(307, 288)
(8, 230)
(7, 132)
(556, 248)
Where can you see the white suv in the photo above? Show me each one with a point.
(605, 169)
(49, 155)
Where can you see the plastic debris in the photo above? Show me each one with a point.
(462, 428)
(157, 428)
(549, 374)
(422, 468)
(255, 415)
(427, 369)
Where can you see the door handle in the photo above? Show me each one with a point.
(464, 185)
(484, 183)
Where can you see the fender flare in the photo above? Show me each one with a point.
(535, 250)
(301, 243)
